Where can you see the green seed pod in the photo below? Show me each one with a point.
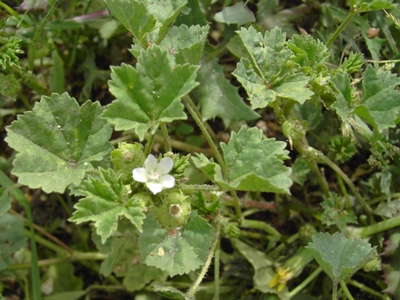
(294, 129)
(143, 198)
(174, 209)
(126, 158)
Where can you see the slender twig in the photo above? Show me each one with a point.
(167, 140)
(192, 290)
(305, 282)
(342, 26)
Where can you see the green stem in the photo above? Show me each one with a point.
(192, 290)
(306, 281)
(381, 226)
(383, 197)
(275, 252)
(196, 187)
(346, 290)
(77, 256)
(334, 291)
(149, 145)
(326, 160)
(217, 257)
(9, 10)
(303, 148)
(342, 26)
(367, 289)
(254, 224)
(189, 106)
(167, 140)
(38, 33)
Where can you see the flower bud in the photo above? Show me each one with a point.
(127, 157)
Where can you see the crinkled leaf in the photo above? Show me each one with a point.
(186, 44)
(9, 51)
(9, 85)
(335, 212)
(106, 200)
(344, 96)
(235, 14)
(5, 201)
(254, 163)
(380, 103)
(266, 71)
(300, 170)
(391, 268)
(263, 269)
(57, 141)
(309, 53)
(353, 63)
(347, 257)
(218, 98)
(150, 93)
(134, 15)
(176, 251)
(12, 237)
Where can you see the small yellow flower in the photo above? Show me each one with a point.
(282, 276)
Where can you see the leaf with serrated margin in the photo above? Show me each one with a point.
(57, 141)
(266, 71)
(344, 96)
(134, 15)
(380, 103)
(254, 163)
(150, 93)
(12, 237)
(176, 251)
(309, 53)
(186, 44)
(344, 259)
(5, 201)
(218, 98)
(106, 200)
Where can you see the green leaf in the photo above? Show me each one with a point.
(344, 259)
(57, 141)
(9, 49)
(170, 292)
(218, 98)
(309, 53)
(106, 200)
(57, 79)
(149, 94)
(353, 63)
(300, 170)
(177, 251)
(263, 269)
(254, 163)
(378, 85)
(236, 14)
(9, 86)
(134, 15)
(140, 275)
(5, 201)
(74, 295)
(344, 96)
(391, 268)
(186, 44)
(336, 212)
(12, 237)
(367, 5)
(266, 71)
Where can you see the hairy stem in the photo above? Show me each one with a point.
(192, 290)
(167, 140)
(342, 26)
(305, 282)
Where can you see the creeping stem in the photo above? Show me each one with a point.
(190, 107)
(342, 26)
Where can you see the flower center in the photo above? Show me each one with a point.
(154, 176)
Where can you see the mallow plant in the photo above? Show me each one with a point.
(159, 217)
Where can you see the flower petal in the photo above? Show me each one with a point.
(140, 175)
(154, 187)
(165, 165)
(151, 163)
(167, 181)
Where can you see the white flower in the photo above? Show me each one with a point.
(155, 175)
